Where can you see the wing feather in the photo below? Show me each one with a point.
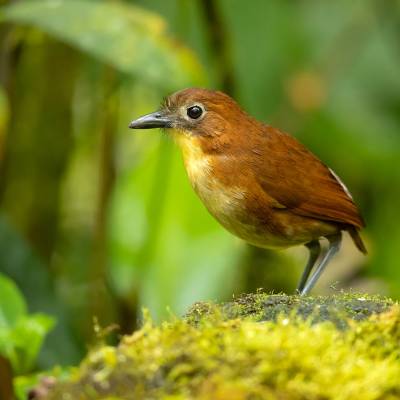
(298, 180)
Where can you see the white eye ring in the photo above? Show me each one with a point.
(194, 112)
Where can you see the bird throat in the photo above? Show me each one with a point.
(198, 164)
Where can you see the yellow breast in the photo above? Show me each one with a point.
(223, 202)
(198, 164)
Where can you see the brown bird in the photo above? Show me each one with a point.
(260, 183)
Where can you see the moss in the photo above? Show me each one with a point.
(260, 307)
(255, 347)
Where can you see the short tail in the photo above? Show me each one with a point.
(355, 235)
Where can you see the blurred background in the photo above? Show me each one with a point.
(98, 220)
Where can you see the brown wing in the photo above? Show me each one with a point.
(301, 182)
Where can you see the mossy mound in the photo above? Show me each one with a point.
(256, 347)
(260, 307)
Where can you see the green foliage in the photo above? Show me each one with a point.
(127, 37)
(4, 112)
(21, 334)
(12, 305)
(291, 357)
(18, 261)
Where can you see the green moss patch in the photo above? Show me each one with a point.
(256, 347)
(259, 307)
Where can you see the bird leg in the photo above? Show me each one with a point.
(333, 248)
(314, 248)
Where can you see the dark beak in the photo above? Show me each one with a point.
(154, 120)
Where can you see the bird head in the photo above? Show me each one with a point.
(198, 115)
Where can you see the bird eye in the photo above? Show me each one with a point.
(194, 112)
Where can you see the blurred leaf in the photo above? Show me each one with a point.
(18, 261)
(27, 338)
(132, 40)
(4, 112)
(12, 305)
(21, 335)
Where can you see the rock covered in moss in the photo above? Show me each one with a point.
(260, 307)
(256, 347)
